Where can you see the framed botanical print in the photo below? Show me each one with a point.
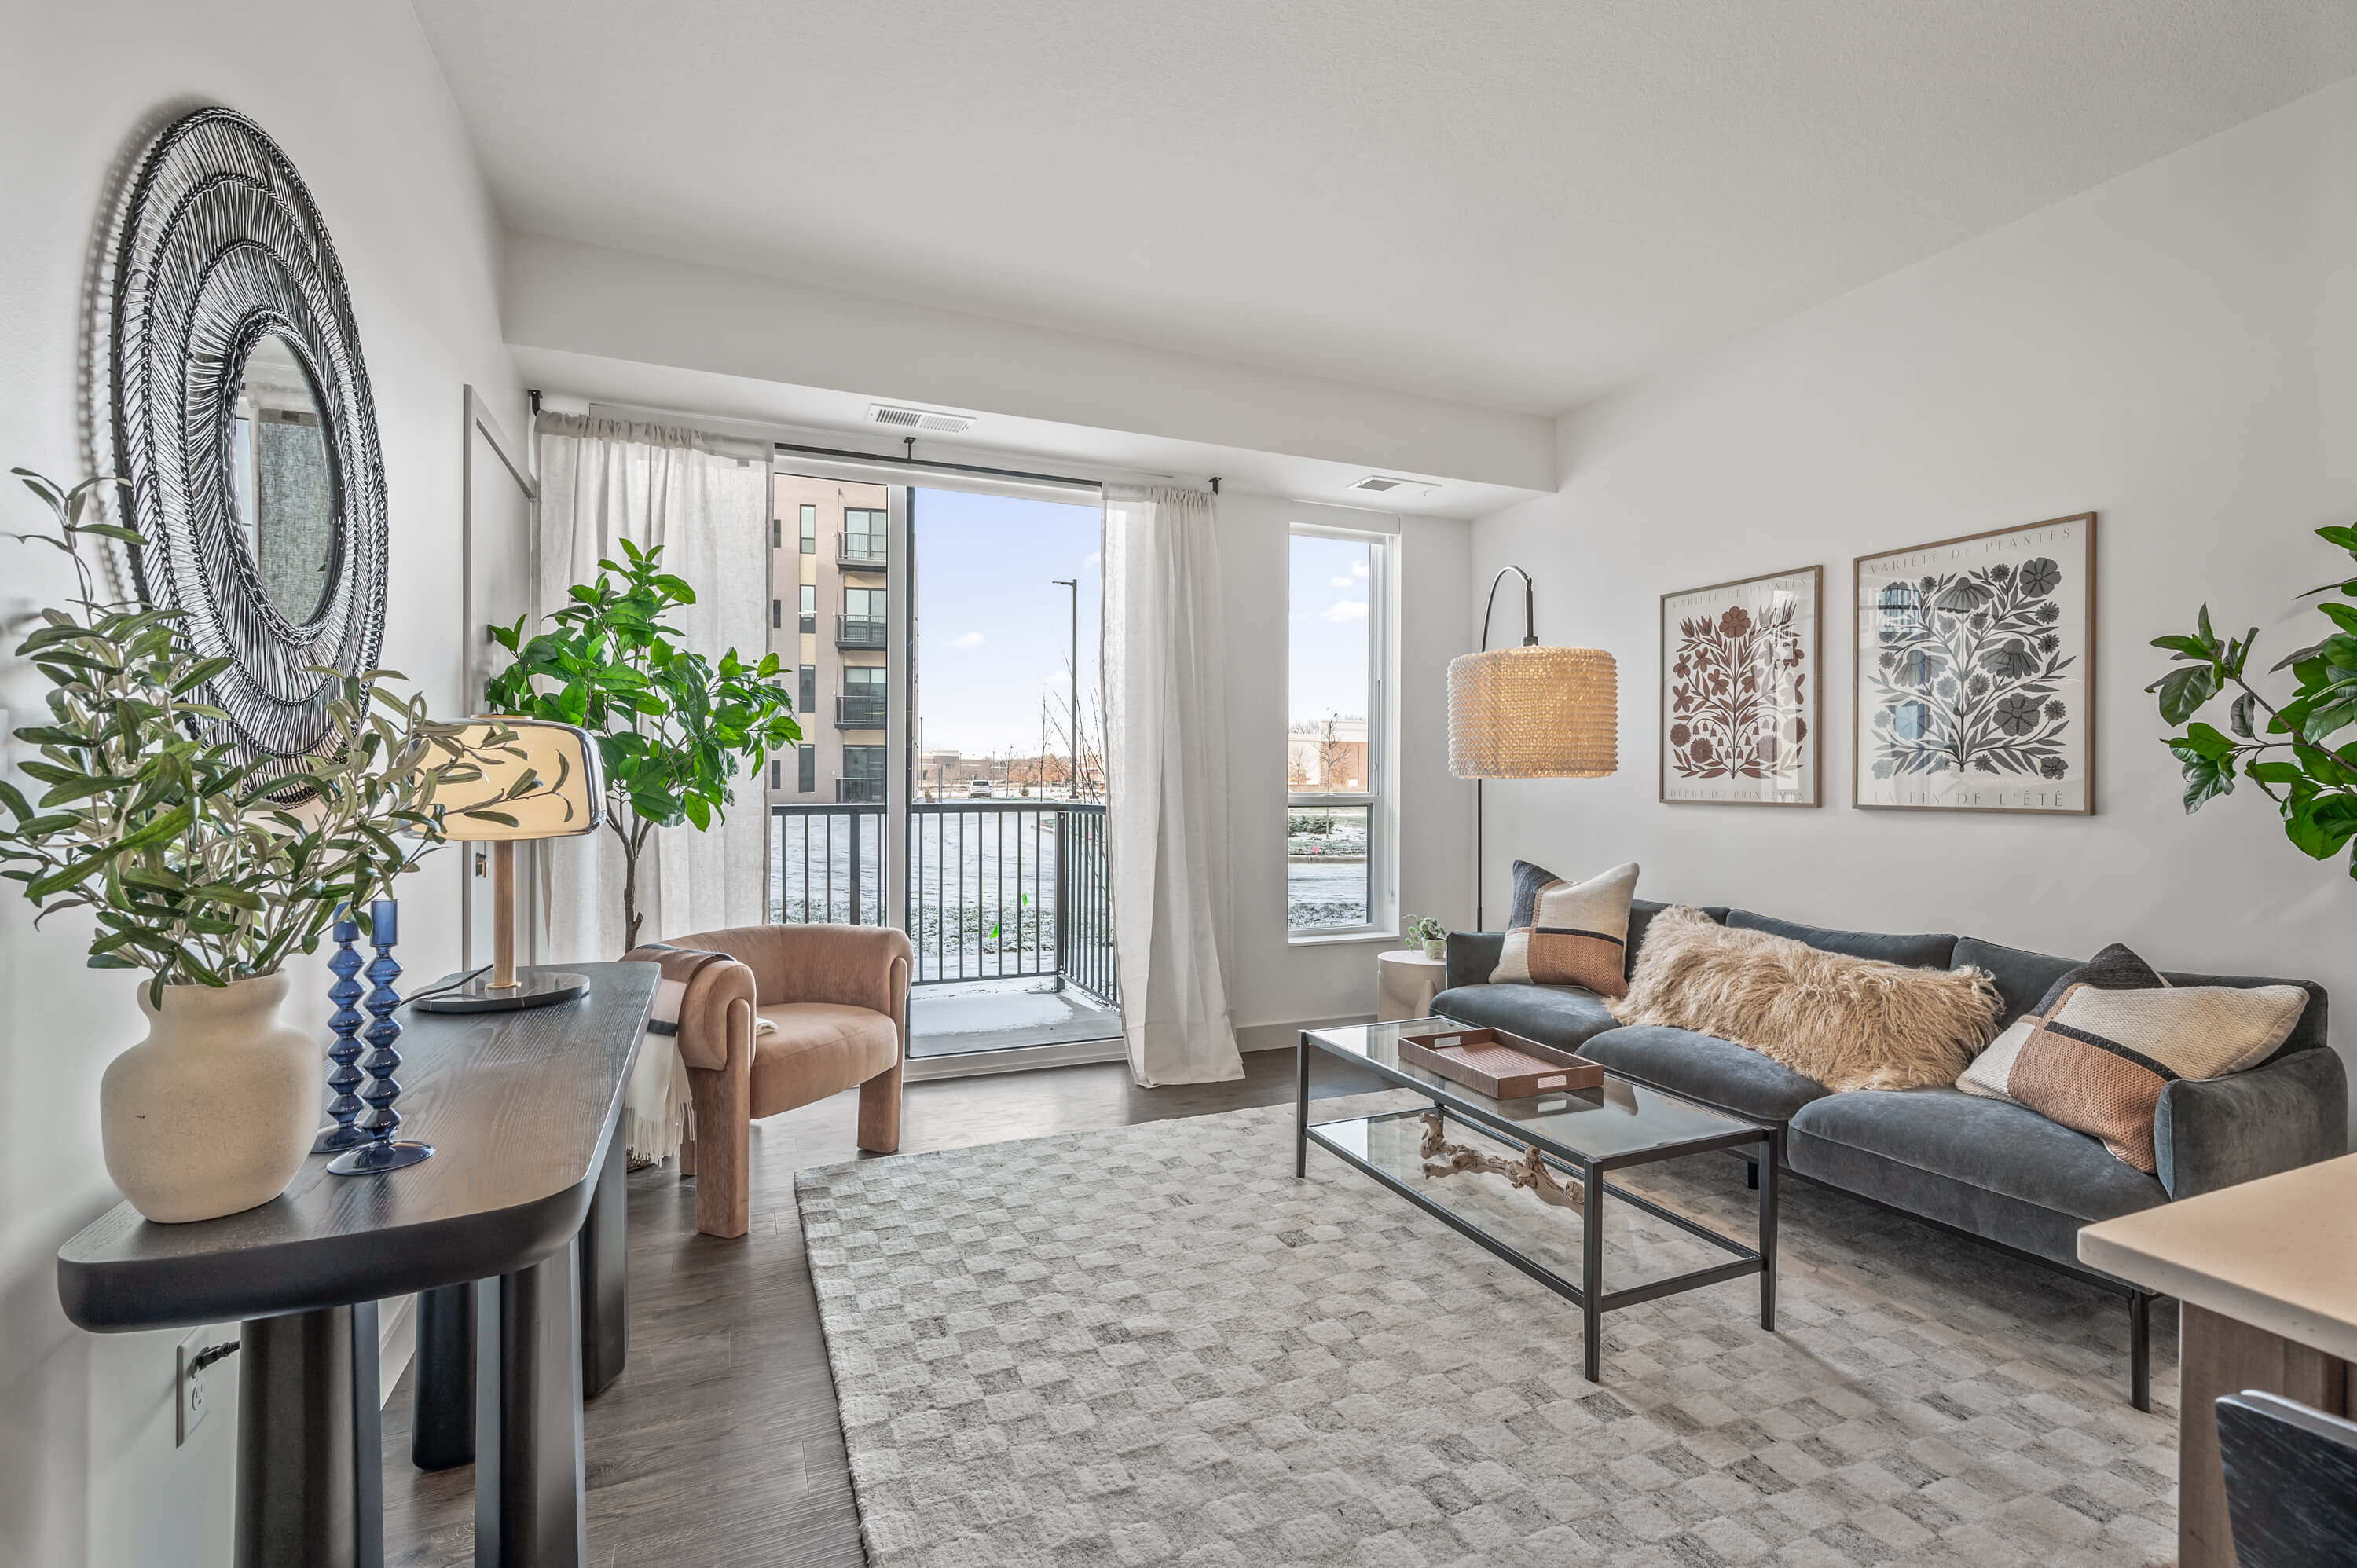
(1740, 692)
(1974, 681)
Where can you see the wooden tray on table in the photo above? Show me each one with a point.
(1500, 1064)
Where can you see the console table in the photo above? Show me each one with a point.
(524, 1111)
(2265, 1275)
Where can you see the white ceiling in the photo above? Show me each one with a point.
(1519, 204)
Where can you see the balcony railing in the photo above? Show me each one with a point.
(997, 890)
(860, 710)
(858, 632)
(860, 552)
(860, 791)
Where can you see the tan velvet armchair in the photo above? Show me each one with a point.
(838, 999)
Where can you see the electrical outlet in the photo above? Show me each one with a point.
(202, 1377)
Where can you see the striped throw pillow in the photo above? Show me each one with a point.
(1566, 933)
(2095, 1058)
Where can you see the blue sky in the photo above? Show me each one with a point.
(993, 630)
(1327, 629)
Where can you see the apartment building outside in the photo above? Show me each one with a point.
(829, 568)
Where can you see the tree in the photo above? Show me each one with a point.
(1331, 750)
(673, 728)
(2314, 786)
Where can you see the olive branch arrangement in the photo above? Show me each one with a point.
(2315, 787)
(204, 864)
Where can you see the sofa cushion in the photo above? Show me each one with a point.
(1568, 933)
(1704, 1067)
(1929, 951)
(1557, 1015)
(2022, 977)
(1994, 1169)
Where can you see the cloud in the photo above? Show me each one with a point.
(1346, 582)
(1358, 568)
(1344, 610)
(971, 639)
(1096, 558)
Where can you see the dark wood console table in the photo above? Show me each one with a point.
(524, 1112)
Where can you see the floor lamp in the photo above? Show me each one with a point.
(1529, 712)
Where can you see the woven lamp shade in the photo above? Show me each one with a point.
(1533, 713)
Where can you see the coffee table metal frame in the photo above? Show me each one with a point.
(1491, 1118)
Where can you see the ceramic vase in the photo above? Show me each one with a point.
(214, 1111)
(1437, 948)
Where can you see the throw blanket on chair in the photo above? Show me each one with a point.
(657, 1111)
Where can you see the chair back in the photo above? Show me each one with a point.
(2291, 1482)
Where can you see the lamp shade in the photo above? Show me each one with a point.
(1533, 713)
(569, 795)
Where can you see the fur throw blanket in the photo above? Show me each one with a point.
(1849, 1023)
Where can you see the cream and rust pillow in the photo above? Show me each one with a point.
(1565, 933)
(2096, 1057)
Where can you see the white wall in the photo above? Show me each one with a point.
(1273, 986)
(2176, 350)
(88, 1472)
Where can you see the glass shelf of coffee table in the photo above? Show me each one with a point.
(1582, 1134)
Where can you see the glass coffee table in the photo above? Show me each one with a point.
(1583, 1134)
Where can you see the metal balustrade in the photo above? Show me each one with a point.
(997, 890)
(860, 552)
(861, 708)
(858, 632)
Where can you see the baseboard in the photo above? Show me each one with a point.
(1285, 1036)
(396, 1343)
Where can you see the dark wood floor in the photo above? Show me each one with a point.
(718, 1446)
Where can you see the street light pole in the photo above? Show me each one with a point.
(1072, 785)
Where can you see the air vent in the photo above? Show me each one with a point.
(932, 421)
(1379, 484)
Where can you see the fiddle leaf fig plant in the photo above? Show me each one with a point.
(203, 863)
(2287, 749)
(675, 730)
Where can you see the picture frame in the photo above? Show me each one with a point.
(1740, 711)
(1973, 675)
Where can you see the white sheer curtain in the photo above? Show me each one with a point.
(1166, 752)
(705, 500)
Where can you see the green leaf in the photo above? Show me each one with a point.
(2184, 646)
(2183, 692)
(2238, 717)
(2206, 741)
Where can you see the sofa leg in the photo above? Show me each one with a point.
(2140, 1349)
(724, 1152)
(687, 1157)
(879, 1112)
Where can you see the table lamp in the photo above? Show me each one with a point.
(1530, 712)
(567, 799)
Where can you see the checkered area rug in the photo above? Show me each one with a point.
(1153, 1345)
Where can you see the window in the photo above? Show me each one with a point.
(863, 604)
(863, 774)
(807, 701)
(863, 697)
(1337, 878)
(806, 769)
(776, 614)
(810, 607)
(810, 531)
(777, 533)
(776, 774)
(863, 536)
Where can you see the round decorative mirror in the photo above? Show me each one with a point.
(239, 413)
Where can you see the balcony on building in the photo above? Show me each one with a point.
(859, 552)
(862, 708)
(858, 632)
(859, 791)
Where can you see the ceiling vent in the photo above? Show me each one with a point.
(1384, 484)
(931, 420)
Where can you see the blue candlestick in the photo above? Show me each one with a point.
(383, 1151)
(345, 1052)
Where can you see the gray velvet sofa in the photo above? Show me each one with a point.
(1993, 1171)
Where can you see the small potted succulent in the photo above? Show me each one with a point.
(208, 868)
(1430, 934)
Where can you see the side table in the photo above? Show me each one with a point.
(1406, 983)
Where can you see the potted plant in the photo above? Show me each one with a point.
(1430, 934)
(675, 729)
(2286, 750)
(207, 868)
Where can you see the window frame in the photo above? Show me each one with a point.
(808, 607)
(1379, 797)
(809, 526)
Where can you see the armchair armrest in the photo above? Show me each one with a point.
(2217, 1131)
(715, 1018)
(1471, 957)
(854, 966)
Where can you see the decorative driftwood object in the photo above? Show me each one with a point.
(1530, 1171)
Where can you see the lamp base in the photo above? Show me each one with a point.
(372, 1157)
(533, 988)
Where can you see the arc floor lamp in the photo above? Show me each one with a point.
(1529, 712)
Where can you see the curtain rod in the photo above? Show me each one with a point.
(910, 459)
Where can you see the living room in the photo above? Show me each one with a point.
(1580, 495)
